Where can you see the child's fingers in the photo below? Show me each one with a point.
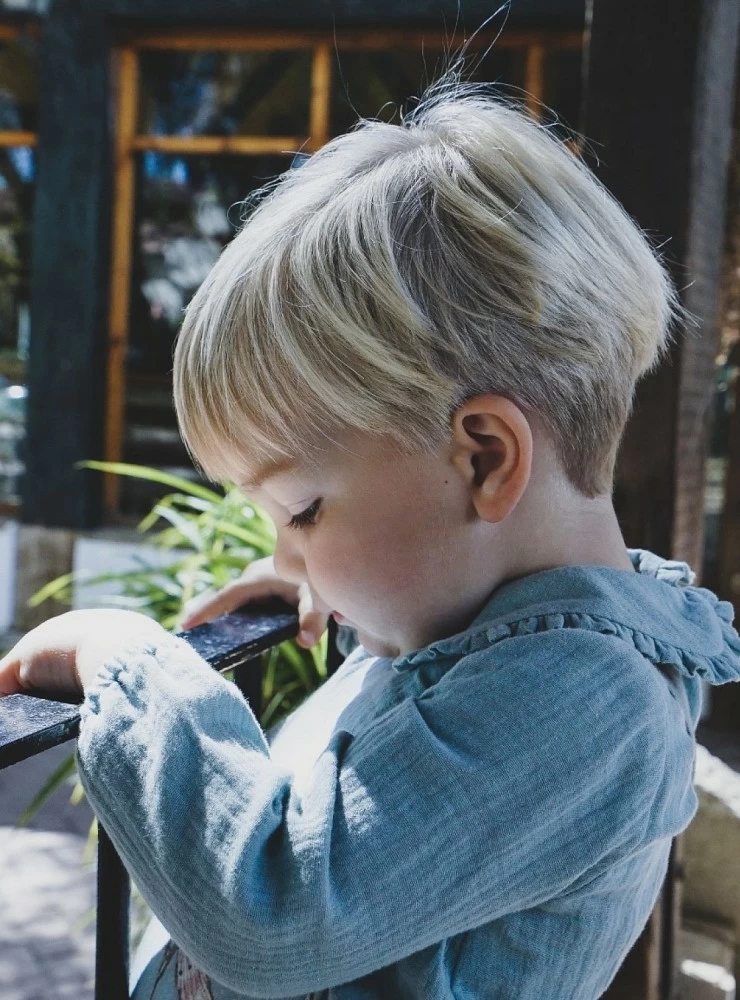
(206, 607)
(200, 609)
(312, 623)
(209, 604)
(10, 674)
(212, 604)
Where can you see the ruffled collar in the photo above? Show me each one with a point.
(657, 609)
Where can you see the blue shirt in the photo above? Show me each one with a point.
(489, 816)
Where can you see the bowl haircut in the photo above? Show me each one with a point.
(407, 267)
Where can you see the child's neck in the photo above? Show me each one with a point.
(571, 531)
(532, 539)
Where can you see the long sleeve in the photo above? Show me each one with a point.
(485, 794)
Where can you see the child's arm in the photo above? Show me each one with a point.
(486, 794)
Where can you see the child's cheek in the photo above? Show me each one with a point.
(368, 571)
(349, 571)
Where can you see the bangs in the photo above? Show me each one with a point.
(292, 341)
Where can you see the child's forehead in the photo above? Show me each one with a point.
(252, 475)
(347, 452)
(266, 469)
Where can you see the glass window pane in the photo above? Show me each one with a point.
(726, 398)
(225, 93)
(188, 208)
(17, 167)
(18, 85)
(503, 67)
(12, 439)
(377, 84)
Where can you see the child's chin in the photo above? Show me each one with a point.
(374, 646)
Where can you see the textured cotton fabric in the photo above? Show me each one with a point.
(489, 816)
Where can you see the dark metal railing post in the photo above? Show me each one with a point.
(671, 924)
(112, 924)
(248, 678)
(334, 658)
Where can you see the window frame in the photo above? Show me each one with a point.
(537, 45)
(10, 138)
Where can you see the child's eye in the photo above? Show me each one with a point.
(306, 517)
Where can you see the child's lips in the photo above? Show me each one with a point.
(339, 619)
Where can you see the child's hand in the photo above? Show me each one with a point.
(65, 653)
(258, 581)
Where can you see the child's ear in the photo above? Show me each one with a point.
(491, 449)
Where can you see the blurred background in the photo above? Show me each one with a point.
(131, 131)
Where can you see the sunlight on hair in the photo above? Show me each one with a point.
(407, 267)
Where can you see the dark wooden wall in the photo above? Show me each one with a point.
(659, 104)
(658, 107)
(351, 13)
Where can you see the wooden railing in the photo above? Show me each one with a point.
(30, 725)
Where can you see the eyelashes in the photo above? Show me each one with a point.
(306, 517)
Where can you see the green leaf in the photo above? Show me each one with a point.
(65, 770)
(187, 528)
(270, 709)
(78, 793)
(260, 541)
(319, 653)
(88, 855)
(152, 475)
(84, 920)
(269, 674)
(203, 507)
(297, 659)
(58, 588)
(168, 538)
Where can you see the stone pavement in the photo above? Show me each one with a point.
(45, 890)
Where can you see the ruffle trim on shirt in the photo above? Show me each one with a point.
(718, 668)
(672, 571)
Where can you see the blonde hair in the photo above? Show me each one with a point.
(405, 268)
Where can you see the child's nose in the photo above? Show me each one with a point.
(288, 560)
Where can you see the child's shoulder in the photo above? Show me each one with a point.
(585, 624)
(572, 680)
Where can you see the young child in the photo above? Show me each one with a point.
(418, 355)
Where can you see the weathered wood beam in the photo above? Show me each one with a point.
(345, 13)
(66, 373)
(725, 701)
(658, 108)
(712, 131)
(349, 39)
